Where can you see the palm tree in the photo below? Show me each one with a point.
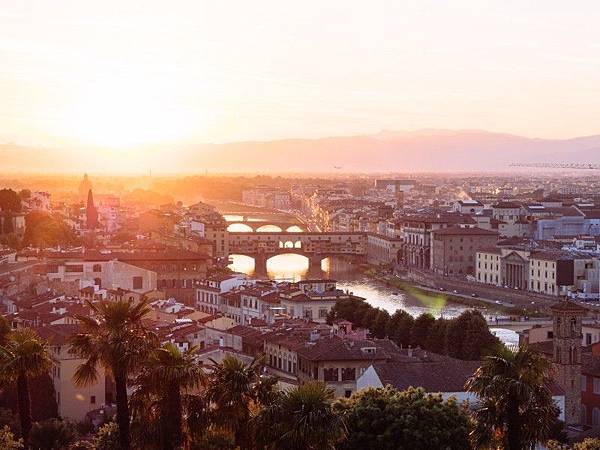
(516, 406)
(116, 339)
(24, 356)
(301, 418)
(232, 391)
(159, 395)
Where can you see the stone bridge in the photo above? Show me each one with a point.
(256, 225)
(314, 246)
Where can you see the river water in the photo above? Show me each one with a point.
(291, 267)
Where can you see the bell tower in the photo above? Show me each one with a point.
(567, 317)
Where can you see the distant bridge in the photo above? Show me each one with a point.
(314, 246)
(519, 325)
(256, 225)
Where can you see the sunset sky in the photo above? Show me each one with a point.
(116, 73)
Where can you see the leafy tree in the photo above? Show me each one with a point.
(9, 201)
(379, 328)
(82, 445)
(586, 444)
(43, 398)
(107, 437)
(47, 230)
(9, 419)
(421, 329)
(370, 317)
(23, 357)
(214, 440)
(52, 434)
(301, 418)
(8, 440)
(232, 392)
(436, 341)
(159, 396)
(399, 327)
(516, 405)
(388, 419)
(468, 336)
(116, 339)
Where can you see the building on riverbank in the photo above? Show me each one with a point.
(453, 249)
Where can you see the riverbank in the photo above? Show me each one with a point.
(430, 295)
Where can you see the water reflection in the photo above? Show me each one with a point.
(268, 229)
(291, 267)
(239, 228)
(286, 267)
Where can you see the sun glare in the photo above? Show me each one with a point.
(123, 113)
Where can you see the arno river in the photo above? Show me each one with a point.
(294, 267)
(291, 267)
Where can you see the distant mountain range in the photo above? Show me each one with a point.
(424, 150)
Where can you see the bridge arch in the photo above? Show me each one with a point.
(268, 228)
(239, 227)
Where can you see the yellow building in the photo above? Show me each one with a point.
(73, 402)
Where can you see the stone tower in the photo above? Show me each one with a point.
(567, 317)
(91, 213)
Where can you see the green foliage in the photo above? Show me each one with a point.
(468, 337)
(116, 339)
(43, 398)
(587, 444)
(387, 419)
(47, 230)
(379, 326)
(301, 418)
(399, 328)
(8, 440)
(52, 434)
(24, 356)
(214, 440)
(9, 419)
(516, 409)
(159, 399)
(107, 437)
(9, 201)
(465, 337)
(421, 329)
(232, 392)
(82, 445)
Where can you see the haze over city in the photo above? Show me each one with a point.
(137, 81)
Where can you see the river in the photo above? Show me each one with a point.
(291, 267)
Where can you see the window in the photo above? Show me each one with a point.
(347, 393)
(93, 399)
(138, 282)
(596, 385)
(97, 268)
(74, 268)
(583, 383)
(330, 374)
(348, 374)
(595, 416)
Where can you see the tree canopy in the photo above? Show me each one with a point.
(464, 337)
(387, 419)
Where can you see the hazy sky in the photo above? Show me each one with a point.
(119, 73)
